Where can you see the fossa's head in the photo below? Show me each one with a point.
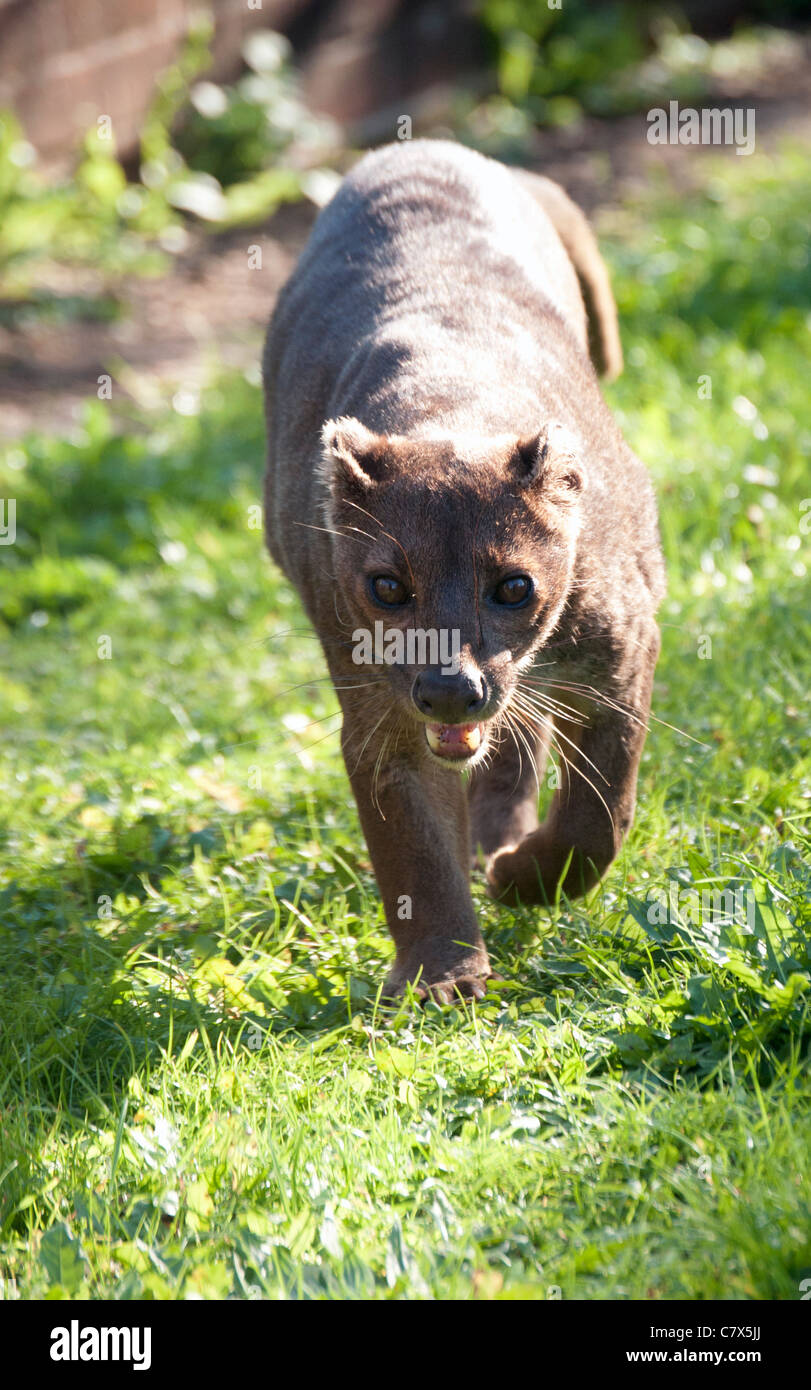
(453, 560)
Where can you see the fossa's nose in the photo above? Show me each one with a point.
(449, 698)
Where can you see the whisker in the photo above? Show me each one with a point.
(315, 741)
(560, 734)
(530, 751)
(572, 767)
(518, 749)
(574, 638)
(361, 531)
(552, 705)
(360, 685)
(371, 732)
(390, 537)
(589, 692)
(376, 774)
(320, 680)
(330, 530)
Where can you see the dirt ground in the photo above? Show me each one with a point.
(212, 307)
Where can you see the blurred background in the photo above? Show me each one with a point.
(145, 147)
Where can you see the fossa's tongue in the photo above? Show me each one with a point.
(453, 741)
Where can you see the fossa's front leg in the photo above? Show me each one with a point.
(593, 808)
(503, 795)
(414, 818)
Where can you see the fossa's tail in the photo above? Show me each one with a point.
(595, 286)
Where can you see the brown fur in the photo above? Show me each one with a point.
(433, 416)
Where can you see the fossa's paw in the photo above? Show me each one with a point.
(522, 874)
(441, 970)
(534, 871)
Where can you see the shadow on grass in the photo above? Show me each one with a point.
(111, 963)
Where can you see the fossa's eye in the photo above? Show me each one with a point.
(386, 589)
(513, 592)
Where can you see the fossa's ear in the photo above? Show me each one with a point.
(354, 458)
(549, 463)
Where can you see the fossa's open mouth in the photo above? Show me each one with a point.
(454, 742)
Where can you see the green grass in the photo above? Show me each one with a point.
(199, 1094)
